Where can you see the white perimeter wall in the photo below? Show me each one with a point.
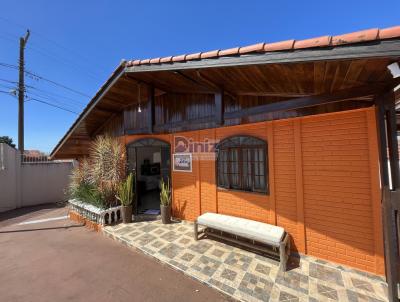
(30, 184)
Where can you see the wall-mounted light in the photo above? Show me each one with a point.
(394, 69)
(139, 109)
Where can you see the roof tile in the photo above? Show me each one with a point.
(283, 45)
(166, 59)
(178, 58)
(356, 37)
(193, 56)
(315, 42)
(209, 54)
(146, 61)
(155, 61)
(390, 32)
(259, 47)
(229, 52)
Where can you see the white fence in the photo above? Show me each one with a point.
(30, 183)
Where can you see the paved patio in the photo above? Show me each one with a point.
(245, 275)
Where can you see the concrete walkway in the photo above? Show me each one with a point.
(56, 260)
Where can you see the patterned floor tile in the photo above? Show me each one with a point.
(255, 286)
(357, 297)
(200, 246)
(171, 250)
(293, 280)
(145, 239)
(238, 260)
(284, 296)
(245, 275)
(326, 273)
(206, 266)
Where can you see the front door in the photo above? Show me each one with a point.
(149, 160)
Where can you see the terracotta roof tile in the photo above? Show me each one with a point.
(178, 58)
(283, 45)
(193, 56)
(356, 37)
(390, 32)
(351, 38)
(146, 61)
(315, 42)
(209, 54)
(229, 52)
(252, 48)
(155, 61)
(166, 59)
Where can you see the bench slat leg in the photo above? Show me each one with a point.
(196, 233)
(284, 252)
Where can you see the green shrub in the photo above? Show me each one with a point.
(125, 191)
(88, 193)
(165, 194)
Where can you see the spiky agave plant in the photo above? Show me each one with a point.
(165, 194)
(80, 175)
(81, 186)
(125, 191)
(107, 162)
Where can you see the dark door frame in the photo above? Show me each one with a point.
(390, 186)
(139, 143)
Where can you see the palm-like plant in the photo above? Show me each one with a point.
(125, 191)
(165, 194)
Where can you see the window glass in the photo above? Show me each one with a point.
(242, 164)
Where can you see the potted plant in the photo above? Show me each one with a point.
(125, 196)
(165, 201)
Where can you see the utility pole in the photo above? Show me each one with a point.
(21, 91)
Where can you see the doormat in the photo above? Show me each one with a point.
(152, 212)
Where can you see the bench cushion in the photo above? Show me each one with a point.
(254, 230)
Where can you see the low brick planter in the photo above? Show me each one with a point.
(94, 214)
(74, 216)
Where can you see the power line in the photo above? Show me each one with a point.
(57, 44)
(6, 92)
(38, 77)
(41, 101)
(8, 81)
(58, 102)
(68, 63)
(52, 105)
(53, 94)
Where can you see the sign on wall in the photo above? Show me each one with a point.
(183, 162)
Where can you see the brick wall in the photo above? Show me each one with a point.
(285, 178)
(337, 189)
(323, 185)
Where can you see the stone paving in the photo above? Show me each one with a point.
(245, 275)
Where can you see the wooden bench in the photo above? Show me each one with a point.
(263, 237)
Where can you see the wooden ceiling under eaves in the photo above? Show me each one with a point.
(289, 80)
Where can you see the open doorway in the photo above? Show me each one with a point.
(149, 161)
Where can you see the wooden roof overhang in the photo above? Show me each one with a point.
(293, 79)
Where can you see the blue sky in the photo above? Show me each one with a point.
(78, 43)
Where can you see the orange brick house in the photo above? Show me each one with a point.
(291, 133)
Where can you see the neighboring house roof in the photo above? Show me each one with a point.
(325, 41)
